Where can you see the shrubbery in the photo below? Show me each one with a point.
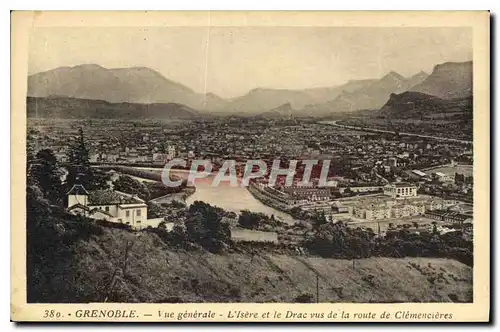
(340, 241)
(202, 226)
(258, 221)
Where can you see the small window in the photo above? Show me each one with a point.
(127, 213)
(138, 213)
(106, 208)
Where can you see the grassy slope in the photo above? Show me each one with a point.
(155, 273)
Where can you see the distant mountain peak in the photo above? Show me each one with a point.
(452, 64)
(129, 84)
(419, 74)
(393, 75)
(448, 80)
(88, 66)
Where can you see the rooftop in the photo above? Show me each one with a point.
(402, 184)
(77, 189)
(109, 197)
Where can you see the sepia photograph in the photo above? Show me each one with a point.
(239, 163)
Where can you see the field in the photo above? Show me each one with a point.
(384, 224)
(243, 234)
(155, 273)
(461, 169)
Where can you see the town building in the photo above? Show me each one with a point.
(400, 190)
(444, 177)
(307, 194)
(110, 205)
(449, 216)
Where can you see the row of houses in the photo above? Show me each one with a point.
(449, 216)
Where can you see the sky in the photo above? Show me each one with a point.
(230, 61)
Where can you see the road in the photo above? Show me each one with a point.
(334, 123)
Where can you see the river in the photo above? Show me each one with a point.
(229, 198)
(334, 123)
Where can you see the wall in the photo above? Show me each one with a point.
(132, 218)
(77, 199)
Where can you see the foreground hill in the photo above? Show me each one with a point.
(155, 273)
(74, 108)
(448, 80)
(116, 85)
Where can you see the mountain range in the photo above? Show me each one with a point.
(448, 81)
(370, 94)
(78, 108)
(132, 87)
(417, 105)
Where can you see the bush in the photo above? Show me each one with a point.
(304, 298)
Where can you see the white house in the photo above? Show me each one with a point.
(401, 189)
(110, 205)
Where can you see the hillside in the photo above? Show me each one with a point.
(283, 111)
(155, 273)
(448, 80)
(372, 94)
(116, 85)
(259, 100)
(74, 108)
(422, 106)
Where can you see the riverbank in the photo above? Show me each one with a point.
(265, 198)
(179, 197)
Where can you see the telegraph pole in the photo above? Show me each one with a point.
(317, 288)
(127, 248)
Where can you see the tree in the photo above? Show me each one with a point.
(100, 180)
(339, 240)
(79, 163)
(434, 227)
(297, 212)
(44, 172)
(156, 210)
(204, 226)
(319, 219)
(130, 185)
(249, 219)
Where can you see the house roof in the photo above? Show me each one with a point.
(109, 197)
(77, 189)
(403, 184)
(78, 206)
(124, 207)
(96, 210)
